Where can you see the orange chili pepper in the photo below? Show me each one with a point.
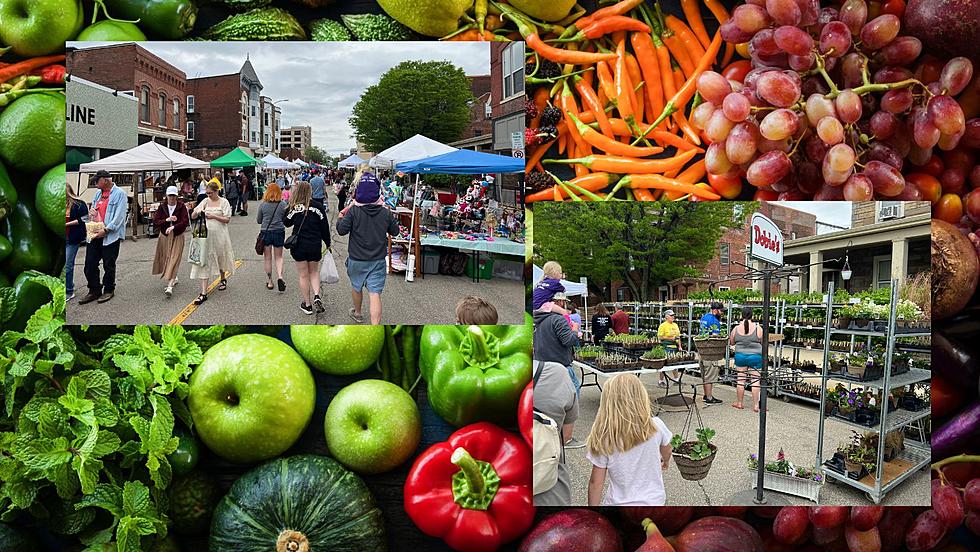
(627, 165)
(582, 170)
(611, 146)
(537, 154)
(692, 13)
(650, 68)
(680, 98)
(636, 79)
(570, 107)
(607, 85)
(677, 51)
(620, 8)
(668, 184)
(558, 55)
(643, 195)
(624, 87)
(593, 182)
(591, 100)
(607, 25)
(686, 36)
(721, 14)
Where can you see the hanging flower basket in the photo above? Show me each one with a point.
(711, 348)
(693, 470)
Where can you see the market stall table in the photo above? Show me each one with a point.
(676, 399)
(502, 246)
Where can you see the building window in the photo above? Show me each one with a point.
(266, 118)
(255, 138)
(723, 254)
(162, 114)
(244, 106)
(145, 104)
(244, 135)
(883, 271)
(621, 294)
(253, 111)
(176, 113)
(190, 131)
(190, 104)
(513, 64)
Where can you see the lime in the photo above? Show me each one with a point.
(111, 31)
(50, 199)
(32, 132)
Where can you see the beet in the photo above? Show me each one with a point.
(719, 534)
(955, 269)
(669, 519)
(947, 27)
(576, 530)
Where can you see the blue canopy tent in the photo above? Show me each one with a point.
(463, 161)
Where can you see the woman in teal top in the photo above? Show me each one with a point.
(746, 336)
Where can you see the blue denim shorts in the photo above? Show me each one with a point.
(749, 361)
(274, 238)
(370, 274)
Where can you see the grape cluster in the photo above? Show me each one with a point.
(830, 108)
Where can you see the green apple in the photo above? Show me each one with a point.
(111, 31)
(339, 350)
(251, 398)
(39, 27)
(372, 426)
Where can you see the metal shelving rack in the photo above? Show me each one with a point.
(918, 454)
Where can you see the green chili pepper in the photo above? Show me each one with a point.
(29, 296)
(30, 240)
(476, 372)
(167, 19)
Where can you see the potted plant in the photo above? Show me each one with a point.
(654, 358)
(711, 343)
(907, 314)
(693, 458)
(785, 477)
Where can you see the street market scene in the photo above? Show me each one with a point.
(665, 312)
(405, 166)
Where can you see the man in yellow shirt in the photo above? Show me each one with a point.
(217, 180)
(670, 338)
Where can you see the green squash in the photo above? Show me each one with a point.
(16, 538)
(192, 501)
(304, 503)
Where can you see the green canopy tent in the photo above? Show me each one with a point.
(74, 158)
(234, 159)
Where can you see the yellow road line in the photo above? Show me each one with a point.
(191, 307)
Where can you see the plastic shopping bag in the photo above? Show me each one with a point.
(198, 247)
(328, 269)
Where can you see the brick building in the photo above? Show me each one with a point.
(296, 138)
(158, 86)
(229, 111)
(507, 107)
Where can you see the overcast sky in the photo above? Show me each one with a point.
(321, 80)
(837, 213)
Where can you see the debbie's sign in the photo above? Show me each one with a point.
(767, 240)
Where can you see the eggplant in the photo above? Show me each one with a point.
(956, 363)
(958, 434)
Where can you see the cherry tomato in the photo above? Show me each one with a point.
(946, 398)
(743, 49)
(737, 70)
(894, 7)
(728, 185)
(934, 166)
(948, 208)
(929, 186)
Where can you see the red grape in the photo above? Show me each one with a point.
(956, 75)
(835, 39)
(848, 106)
(713, 87)
(809, 9)
(750, 18)
(858, 188)
(880, 31)
(841, 158)
(784, 12)
(854, 14)
(863, 518)
(862, 541)
(779, 124)
(742, 142)
(953, 180)
(949, 208)
(972, 521)
(972, 207)
(832, 177)
(731, 33)
(886, 179)
(827, 193)
(971, 495)
(801, 63)
(959, 158)
(716, 160)
(778, 89)
(924, 132)
(791, 524)
(946, 500)
(926, 532)
(949, 142)
(818, 107)
(946, 115)
(737, 107)
(883, 124)
(765, 145)
(879, 151)
(702, 114)
(764, 44)
(891, 74)
(793, 40)
(718, 126)
(892, 527)
(769, 168)
(897, 101)
(830, 131)
(971, 138)
(902, 51)
(851, 67)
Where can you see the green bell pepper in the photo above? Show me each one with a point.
(476, 373)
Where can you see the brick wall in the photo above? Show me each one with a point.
(480, 125)
(480, 85)
(217, 115)
(131, 67)
(499, 108)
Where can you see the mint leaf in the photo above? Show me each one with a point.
(51, 420)
(108, 443)
(106, 496)
(135, 498)
(129, 532)
(88, 472)
(97, 383)
(41, 454)
(43, 324)
(8, 304)
(24, 361)
(162, 425)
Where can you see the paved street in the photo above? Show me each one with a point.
(139, 297)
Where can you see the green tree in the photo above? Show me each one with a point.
(644, 245)
(313, 154)
(414, 97)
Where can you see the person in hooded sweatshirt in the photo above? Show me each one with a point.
(369, 223)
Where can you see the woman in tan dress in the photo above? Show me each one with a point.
(221, 259)
(171, 220)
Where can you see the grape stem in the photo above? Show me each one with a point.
(884, 87)
(826, 77)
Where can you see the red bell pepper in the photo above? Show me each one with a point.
(474, 490)
(525, 413)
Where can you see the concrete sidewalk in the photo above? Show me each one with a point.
(791, 426)
(139, 297)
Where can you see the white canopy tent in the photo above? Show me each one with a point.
(352, 161)
(416, 147)
(273, 162)
(150, 156)
(301, 163)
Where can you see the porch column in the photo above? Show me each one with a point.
(816, 272)
(900, 259)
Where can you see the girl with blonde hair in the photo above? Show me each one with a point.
(310, 227)
(629, 445)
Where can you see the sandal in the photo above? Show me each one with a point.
(200, 299)
(268, 285)
(223, 285)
